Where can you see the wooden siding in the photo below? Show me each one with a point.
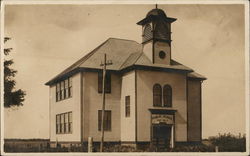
(194, 110)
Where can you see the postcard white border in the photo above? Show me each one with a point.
(86, 2)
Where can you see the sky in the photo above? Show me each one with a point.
(48, 38)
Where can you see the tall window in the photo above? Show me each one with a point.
(147, 34)
(107, 120)
(58, 97)
(64, 123)
(70, 87)
(167, 96)
(107, 82)
(127, 106)
(157, 95)
(70, 122)
(64, 89)
(58, 124)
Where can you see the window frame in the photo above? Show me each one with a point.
(70, 91)
(167, 96)
(58, 92)
(163, 95)
(62, 84)
(108, 82)
(64, 123)
(147, 33)
(58, 121)
(127, 106)
(107, 120)
(157, 95)
(64, 89)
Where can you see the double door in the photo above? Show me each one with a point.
(161, 135)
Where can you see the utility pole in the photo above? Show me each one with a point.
(103, 97)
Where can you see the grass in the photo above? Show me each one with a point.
(224, 142)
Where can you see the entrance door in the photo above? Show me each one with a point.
(161, 135)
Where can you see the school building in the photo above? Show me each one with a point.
(150, 97)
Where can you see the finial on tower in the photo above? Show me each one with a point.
(156, 6)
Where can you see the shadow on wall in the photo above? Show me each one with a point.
(179, 119)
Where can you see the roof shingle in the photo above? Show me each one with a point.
(123, 53)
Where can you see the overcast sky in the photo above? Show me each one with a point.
(48, 38)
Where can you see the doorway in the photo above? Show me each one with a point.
(161, 136)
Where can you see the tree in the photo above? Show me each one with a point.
(12, 97)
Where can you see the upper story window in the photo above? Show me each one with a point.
(162, 54)
(107, 82)
(162, 30)
(64, 89)
(157, 95)
(147, 34)
(167, 96)
(158, 98)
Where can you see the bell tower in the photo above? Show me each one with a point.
(156, 36)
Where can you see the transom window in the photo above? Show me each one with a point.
(64, 89)
(160, 95)
(64, 123)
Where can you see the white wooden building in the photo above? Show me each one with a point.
(150, 97)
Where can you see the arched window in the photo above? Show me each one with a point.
(157, 95)
(167, 96)
(147, 34)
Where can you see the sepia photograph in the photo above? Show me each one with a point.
(140, 78)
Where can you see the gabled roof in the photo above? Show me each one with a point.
(123, 53)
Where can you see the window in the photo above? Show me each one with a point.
(147, 34)
(157, 95)
(58, 92)
(162, 54)
(64, 123)
(127, 106)
(70, 122)
(58, 128)
(107, 120)
(107, 82)
(64, 89)
(167, 96)
(70, 87)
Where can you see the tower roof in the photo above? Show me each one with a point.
(156, 12)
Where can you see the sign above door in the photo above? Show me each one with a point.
(162, 119)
